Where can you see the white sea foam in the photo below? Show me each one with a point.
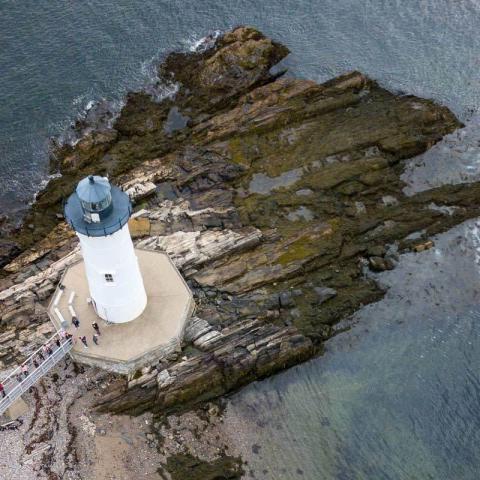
(149, 67)
(78, 100)
(100, 112)
(43, 184)
(204, 43)
(96, 113)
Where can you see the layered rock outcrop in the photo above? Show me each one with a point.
(274, 196)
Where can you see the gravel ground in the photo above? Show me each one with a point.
(61, 438)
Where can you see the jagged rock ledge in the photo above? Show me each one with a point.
(274, 196)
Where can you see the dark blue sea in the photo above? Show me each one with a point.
(397, 396)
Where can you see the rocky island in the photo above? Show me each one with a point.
(274, 196)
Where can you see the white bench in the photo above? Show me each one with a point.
(72, 311)
(57, 298)
(59, 315)
(71, 297)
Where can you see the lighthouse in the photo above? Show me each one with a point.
(99, 214)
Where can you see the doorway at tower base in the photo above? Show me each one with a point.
(127, 347)
(119, 313)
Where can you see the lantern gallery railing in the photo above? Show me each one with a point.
(92, 230)
(106, 222)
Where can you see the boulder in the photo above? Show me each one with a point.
(324, 294)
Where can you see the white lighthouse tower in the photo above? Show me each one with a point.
(99, 213)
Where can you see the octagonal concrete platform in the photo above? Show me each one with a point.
(125, 348)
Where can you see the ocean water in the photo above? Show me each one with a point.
(397, 396)
(57, 57)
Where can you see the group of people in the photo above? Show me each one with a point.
(37, 359)
(48, 350)
(83, 338)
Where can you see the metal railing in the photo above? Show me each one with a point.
(114, 221)
(92, 230)
(17, 382)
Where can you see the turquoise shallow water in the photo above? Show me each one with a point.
(396, 397)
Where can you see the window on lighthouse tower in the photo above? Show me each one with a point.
(109, 278)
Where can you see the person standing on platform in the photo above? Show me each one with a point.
(2, 390)
(84, 341)
(76, 322)
(25, 371)
(95, 339)
(96, 328)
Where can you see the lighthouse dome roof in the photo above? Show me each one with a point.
(93, 189)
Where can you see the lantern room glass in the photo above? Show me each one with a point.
(95, 207)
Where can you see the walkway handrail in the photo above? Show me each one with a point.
(30, 358)
(14, 388)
